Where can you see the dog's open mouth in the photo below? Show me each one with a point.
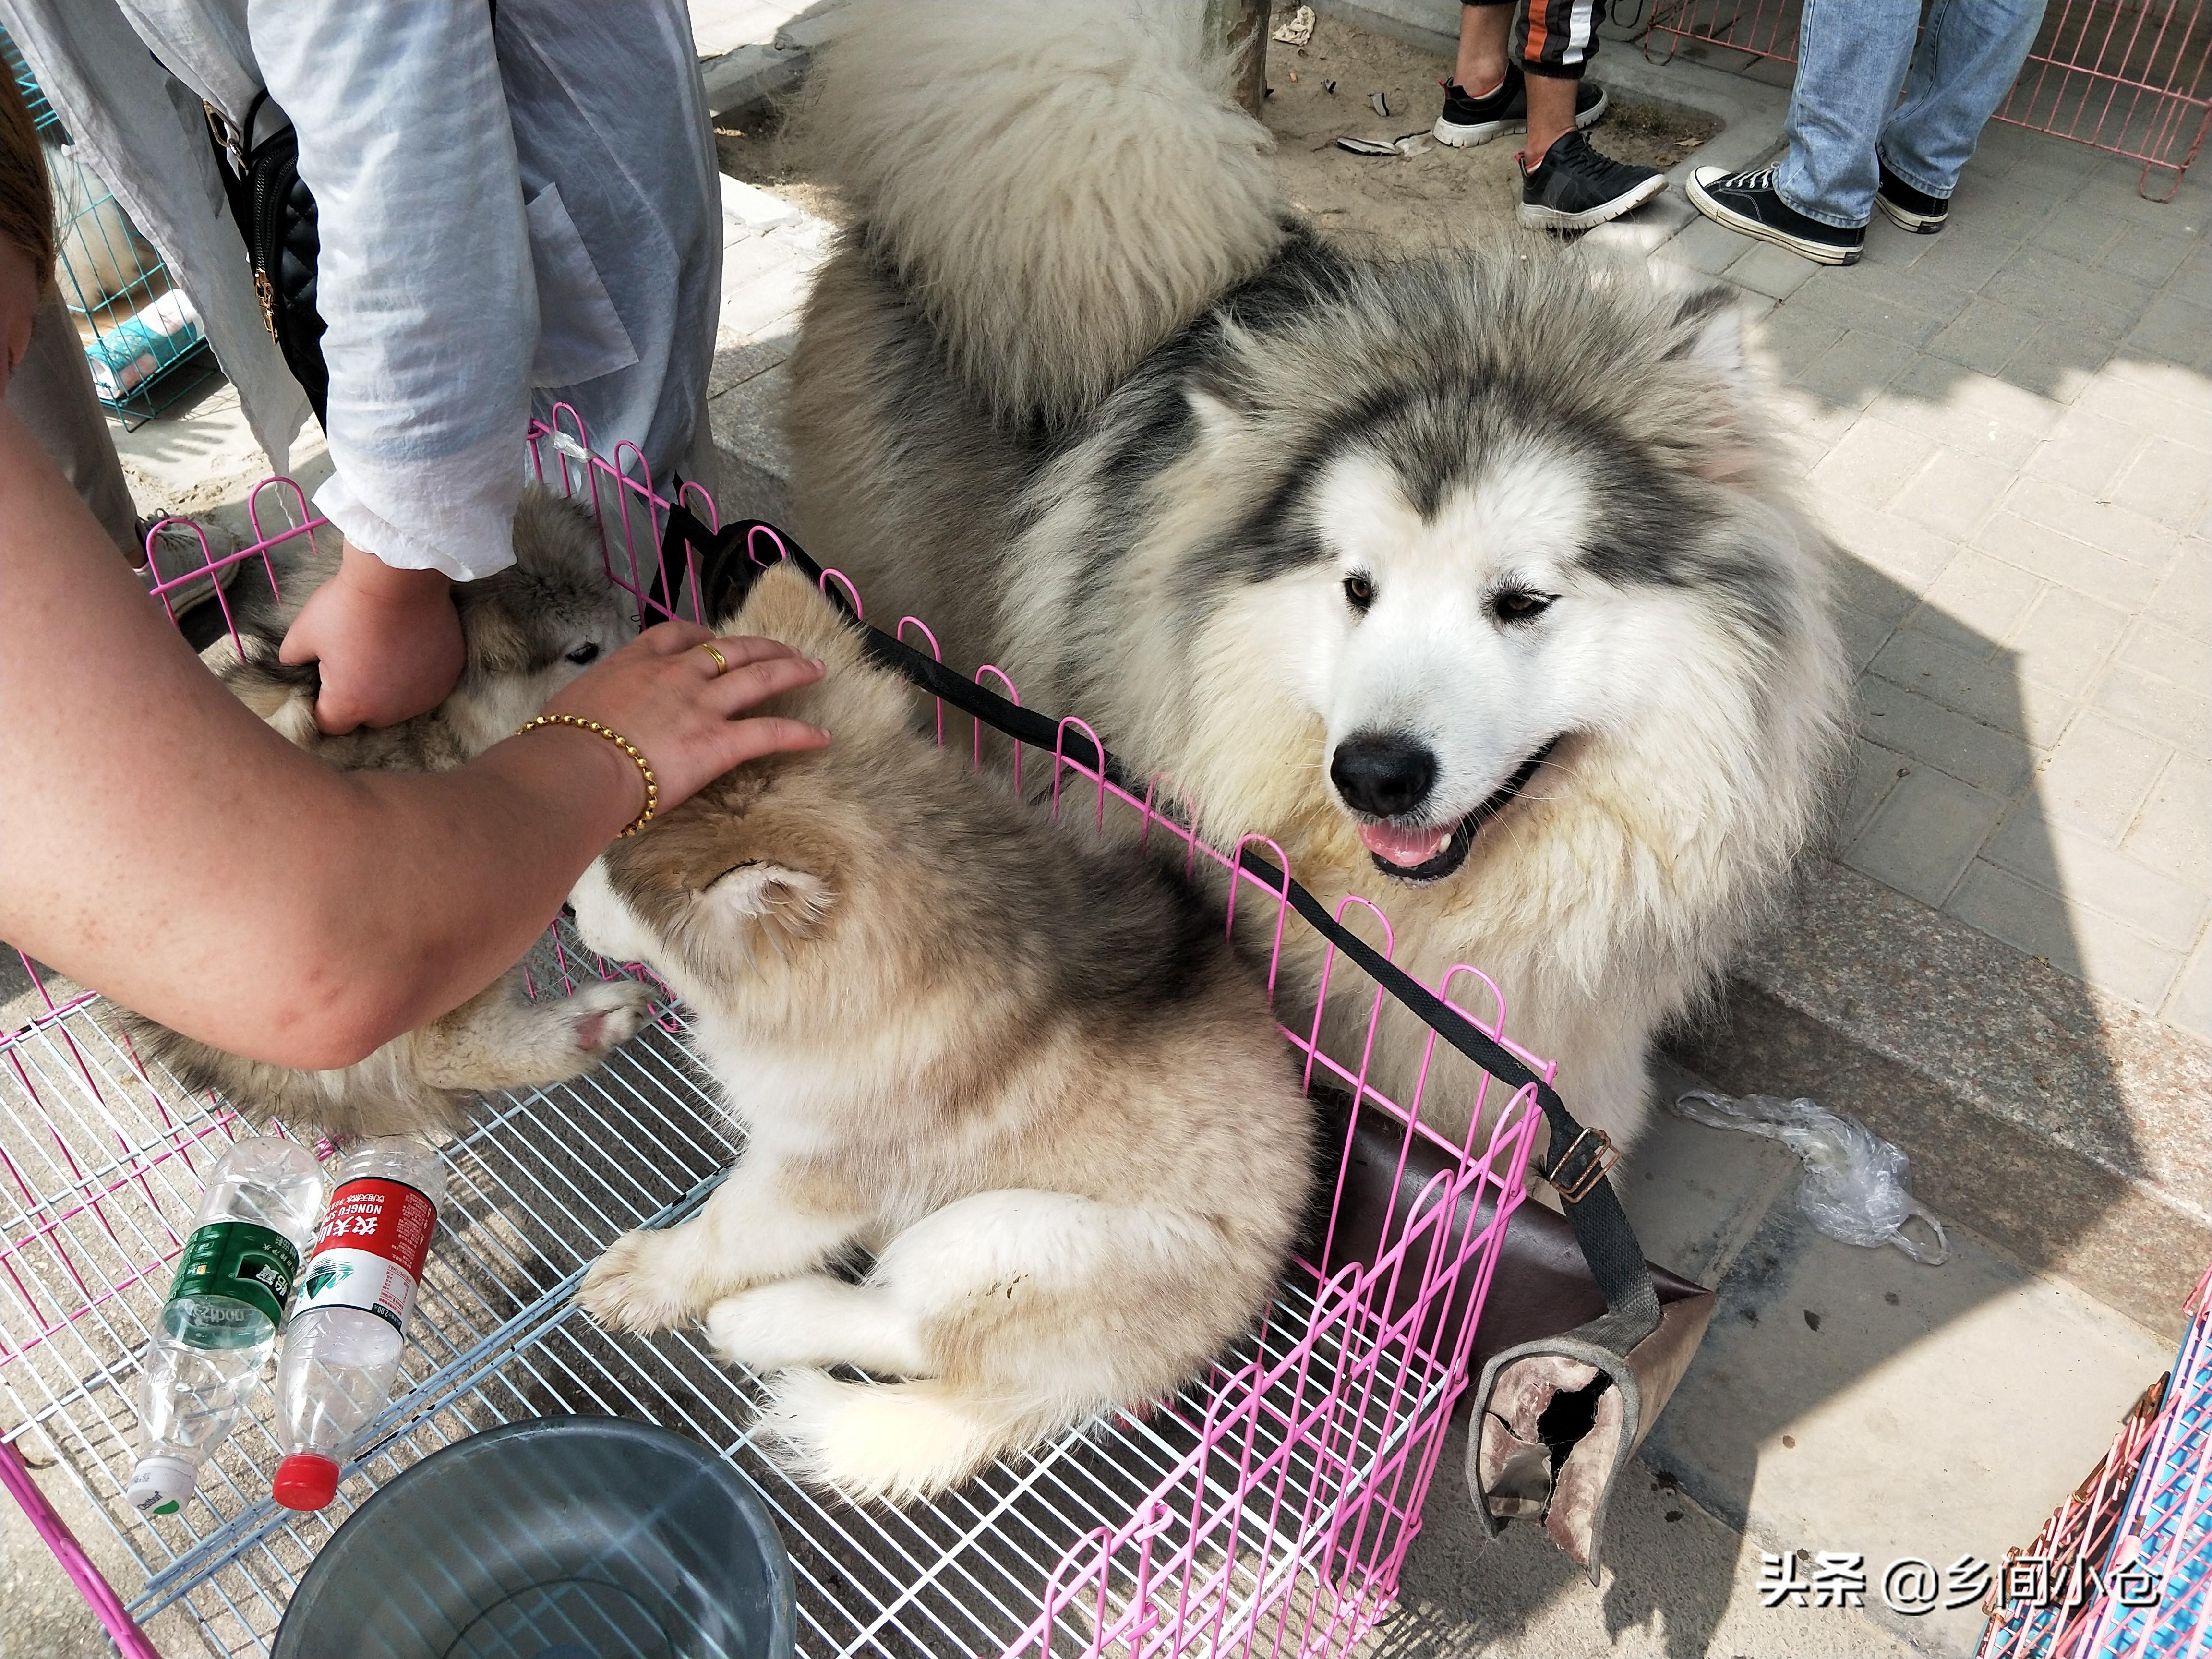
(1431, 855)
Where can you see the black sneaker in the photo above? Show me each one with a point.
(1468, 120)
(1575, 188)
(1911, 210)
(1749, 203)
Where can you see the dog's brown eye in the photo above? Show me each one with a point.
(1359, 591)
(1518, 604)
(588, 651)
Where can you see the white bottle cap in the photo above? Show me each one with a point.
(159, 1485)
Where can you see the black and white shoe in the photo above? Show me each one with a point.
(1468, 120)
(1576, 188)
(1749, 203)
(1911, 210)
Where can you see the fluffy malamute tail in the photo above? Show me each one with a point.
(896, 1442)
(1059, 187)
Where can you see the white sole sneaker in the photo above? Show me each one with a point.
(1481, 132)
(1820, 253)
(1536, 217)
(1920, 224)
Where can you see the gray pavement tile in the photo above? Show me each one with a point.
(2065, 639)
(2148, 256)
(1924, 834)
(2064, 290)
(1863, 635)
(1776, 272)
(2183, 717)
(1792, 338)
(1992, 691)
(2151, 410)
(2175, 329)
(2057, 363)
(1910, 287)
(1898, 549)
(1993, 763)
(1859, 365)
(1953, 492)
(2173, 385)
(1968, 253)
(1985, 335)
(2099, 775)
(2192, 280)
(2083, 234)
(2183, 597)
(2155, 648)
(2163, 908)
(1875, 772)
(1978, 395)
(2059, 558)
(745, 421)
(2111, 188)
(2086, 452)
(2088, 946)
(1977, 601)
(2089, 519)
(1870, 461)
(739, 357)
(1860, 586)
(2172, 833)
(1706, 246)
(1935, 399)
(2190, 1004)
(2169, 481)
(1886, 245)
(1855, 308)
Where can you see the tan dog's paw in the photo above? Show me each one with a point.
(640, 1284)
(604, 1015)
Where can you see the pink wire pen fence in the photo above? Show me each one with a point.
(2124, 76)
(1266, 1508)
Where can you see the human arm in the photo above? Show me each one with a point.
(161, 844)
(425, 285)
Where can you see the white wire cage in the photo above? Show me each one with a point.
(1265, 1508)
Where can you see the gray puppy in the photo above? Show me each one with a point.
(529, 629)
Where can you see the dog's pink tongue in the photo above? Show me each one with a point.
(1405, 848)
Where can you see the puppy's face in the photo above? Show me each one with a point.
(749, 871)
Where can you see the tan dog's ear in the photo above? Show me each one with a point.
(759, 891)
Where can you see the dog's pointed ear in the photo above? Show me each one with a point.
(1709, 332)
(1715, 438)
(1218, 420)
(756, 890)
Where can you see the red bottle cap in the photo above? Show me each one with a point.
(305, 1480)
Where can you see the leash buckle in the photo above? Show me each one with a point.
(1602, 1157)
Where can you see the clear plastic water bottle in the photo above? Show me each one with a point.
(224, 1306)
(342, 1348)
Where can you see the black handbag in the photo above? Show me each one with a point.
(275, 214)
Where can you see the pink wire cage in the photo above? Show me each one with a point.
(2125, 1566)
(2124, 76)
(1266, 1508)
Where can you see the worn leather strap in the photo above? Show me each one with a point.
(727, 569)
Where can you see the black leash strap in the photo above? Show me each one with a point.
(1579, 1158)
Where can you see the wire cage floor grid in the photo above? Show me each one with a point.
(1265, 1508)
(142, 337)
(2129, 77)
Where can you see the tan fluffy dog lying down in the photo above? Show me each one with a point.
(1023, 1071)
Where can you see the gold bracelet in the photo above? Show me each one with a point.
(652, 785)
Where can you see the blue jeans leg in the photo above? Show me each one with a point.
(1851, 60)
(1970, 55)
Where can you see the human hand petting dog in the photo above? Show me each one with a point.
(388, 642)
(671, 696)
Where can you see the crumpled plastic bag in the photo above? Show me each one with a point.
(1856, 1186)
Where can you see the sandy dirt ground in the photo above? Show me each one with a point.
(1319, 92)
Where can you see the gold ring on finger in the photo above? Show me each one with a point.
(721, 662)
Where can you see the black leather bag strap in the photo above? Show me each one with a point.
(1577, 1158)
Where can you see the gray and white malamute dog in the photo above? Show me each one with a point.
(1020, 1067)
(528, 630)
(1467, 577)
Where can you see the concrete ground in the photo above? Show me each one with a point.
(2004, 967)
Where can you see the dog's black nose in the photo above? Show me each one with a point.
(1382, 773)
